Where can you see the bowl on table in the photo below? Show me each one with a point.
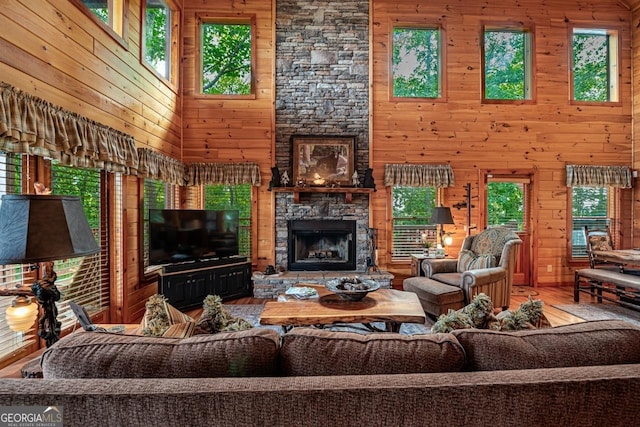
(352, 288)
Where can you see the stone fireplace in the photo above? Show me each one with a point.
(316, 245)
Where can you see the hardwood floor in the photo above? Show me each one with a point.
(550, 297)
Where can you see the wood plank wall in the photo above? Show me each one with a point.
(635, 67)
(471, 136)
(223, 129)
(51, 49)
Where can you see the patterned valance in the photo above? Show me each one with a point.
(30, 125)
(408, 175)
(156, 165)
(599, 176)
(223, 173)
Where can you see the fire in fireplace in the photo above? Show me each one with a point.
(321, 245)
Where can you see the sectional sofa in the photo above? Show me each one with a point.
(586, 374)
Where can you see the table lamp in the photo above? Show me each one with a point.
(41, 229)
(441, 215)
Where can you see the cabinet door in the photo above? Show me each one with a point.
(185, 291)
(232, 282)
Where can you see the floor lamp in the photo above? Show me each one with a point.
(41, 229)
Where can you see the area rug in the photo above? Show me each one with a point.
(601, 311)
(251, 313)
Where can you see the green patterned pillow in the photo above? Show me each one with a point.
(467, 260)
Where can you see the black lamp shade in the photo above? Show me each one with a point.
(38, 228)
(441, 215)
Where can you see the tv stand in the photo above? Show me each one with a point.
(187, 284)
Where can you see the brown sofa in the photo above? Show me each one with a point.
(583, 374)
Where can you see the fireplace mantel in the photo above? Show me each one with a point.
(347, 191)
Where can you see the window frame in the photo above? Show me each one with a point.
(240, 19)
(427, 24)
(118, 26)
(530, 81)
(614, 67)
(429, 229)
(172, 50)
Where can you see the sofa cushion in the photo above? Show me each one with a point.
(492, 240)
(161, 319)
(103, 355)
(605, 342)
(468, 260)
(307, 351)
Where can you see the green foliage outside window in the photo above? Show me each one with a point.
(233, 197)
(81, 182)
(226, 59)
(416, 62)
(156, 33)
(504, 64)
(413, 205)
(505, 204)
(590, 67)
(100, 8)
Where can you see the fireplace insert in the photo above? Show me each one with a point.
(315, 245)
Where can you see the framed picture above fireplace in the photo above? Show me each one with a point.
(323, 161)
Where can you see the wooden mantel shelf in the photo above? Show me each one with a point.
(347, 191)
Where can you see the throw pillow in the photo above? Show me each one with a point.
(161, 319)
(467, 260)
(216, 319)
(600, 243)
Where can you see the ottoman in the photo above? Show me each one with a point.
(436, 297)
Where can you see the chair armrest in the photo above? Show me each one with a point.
(432, 266)
(483, 276)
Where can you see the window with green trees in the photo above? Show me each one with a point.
(505, 205)
(589, 207)
(233, 197)
(417, 62)
(158, 36)
(411, 212)
(111, 13)
(226, 57)
(594, 65)
(507, 60)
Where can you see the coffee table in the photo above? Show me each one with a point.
(390, 306)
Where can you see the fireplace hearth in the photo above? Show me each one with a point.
(315, 245)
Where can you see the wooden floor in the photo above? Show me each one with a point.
(550, 297)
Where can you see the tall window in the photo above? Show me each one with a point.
(233, 197)
(416, 70)
(412, 208)
(84, 280)
(11, 275)
(110, 13)
(594, 68)
(505, 205)
(157, 195)
(160, 37)
(226, 57)
(589, 207)
(507, 64)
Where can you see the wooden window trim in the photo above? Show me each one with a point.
(530, 65)
(427, 23)
(174, 55)
(210, 18)
(611, 29)
(121, 15)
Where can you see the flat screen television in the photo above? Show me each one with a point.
(178, 235)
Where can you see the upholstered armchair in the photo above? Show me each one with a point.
(485, 264)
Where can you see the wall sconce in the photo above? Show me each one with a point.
(22, 313)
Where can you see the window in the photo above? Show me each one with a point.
(416, 69)
(11, 275)
(160, 38)
(507, 64)
(84, 280)
(111, 14)
(506, 205)
(156, 195)
(589, 206)
(594, 65)
(226, 57)
(411, 210)
(233, 197)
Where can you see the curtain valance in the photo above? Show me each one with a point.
(599, 176)
(30, 125)
(223, 173)
(411, 175)
(156, 165)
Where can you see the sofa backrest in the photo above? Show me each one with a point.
(104, 355)
(606, 342)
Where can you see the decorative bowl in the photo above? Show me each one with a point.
(352, 288)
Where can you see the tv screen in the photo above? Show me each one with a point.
(177, 235)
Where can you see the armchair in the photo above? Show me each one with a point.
(485, 263)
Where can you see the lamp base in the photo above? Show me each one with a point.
(46, 293)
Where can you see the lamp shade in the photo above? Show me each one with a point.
(38, 228)
(441, 215)
(21, 315)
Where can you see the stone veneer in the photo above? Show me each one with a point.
(322, 89)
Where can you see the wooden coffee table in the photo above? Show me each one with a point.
(390, 306)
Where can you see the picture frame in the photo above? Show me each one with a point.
(323, 161)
